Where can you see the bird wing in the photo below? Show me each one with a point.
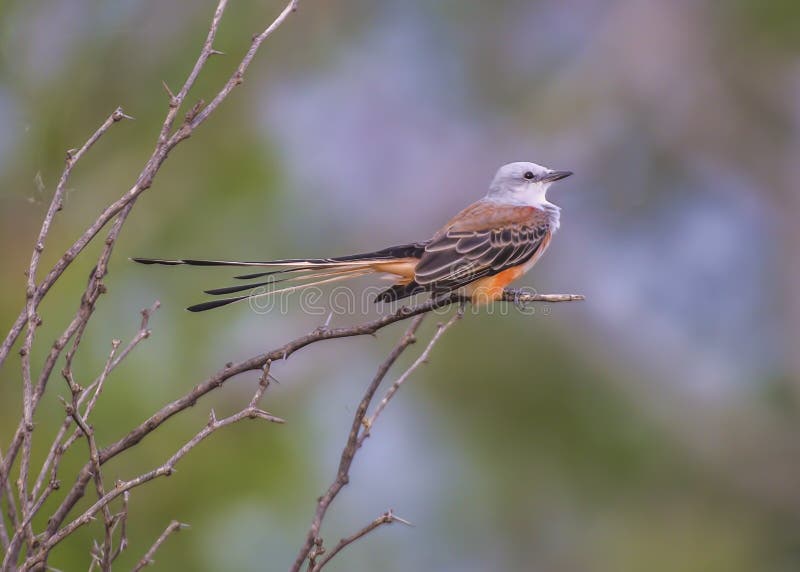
(482, 240)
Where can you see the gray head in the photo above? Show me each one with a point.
(524, 183)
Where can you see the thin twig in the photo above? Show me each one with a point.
(307, 551)
(94, 456)
(423, 357)
(164, 470)
(33, 292)
(58, 448)
(147, 559)
(119, 211)
(386, 518)
(163, 147)
(4, 538)
(33, 296)
(122, 519)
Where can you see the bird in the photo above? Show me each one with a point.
(475, 255)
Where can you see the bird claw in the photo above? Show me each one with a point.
(517, 294)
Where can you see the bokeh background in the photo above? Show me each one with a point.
(652, 427)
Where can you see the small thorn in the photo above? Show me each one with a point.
(119, 115)
(214, 52)
(172, 101)
(394, 518)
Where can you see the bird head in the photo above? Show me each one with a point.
(523, 181)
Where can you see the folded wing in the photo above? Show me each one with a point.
(483, 240)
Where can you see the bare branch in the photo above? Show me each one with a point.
(118, 211)
(108, 520)
(121, 207)
(56, 205)
(4, 539)
(122, 519)
(423, 358)
(147, 559)
(177, 100)
(58, 448)
(32, 320)
(217, 380)
(386, 518)
(351, 447)
(164, 470)
(238, 75)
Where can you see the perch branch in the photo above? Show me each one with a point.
(281, 353)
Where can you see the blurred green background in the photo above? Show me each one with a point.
(652, 427)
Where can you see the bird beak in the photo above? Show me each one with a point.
(555, 176)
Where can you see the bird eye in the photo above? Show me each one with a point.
(528, 175)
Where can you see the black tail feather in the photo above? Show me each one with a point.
(214, 304)
(240, 288)
(199, 262)
(270, 273)
(157, 261)
(400, 251)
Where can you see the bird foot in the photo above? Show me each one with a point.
(517, 295)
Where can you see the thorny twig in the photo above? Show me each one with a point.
(147, 559)
(312, 545)
(423, 357)
(389, 517)
(29, 320)
(252, 411)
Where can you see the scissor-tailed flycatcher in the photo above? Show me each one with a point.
(476, 254)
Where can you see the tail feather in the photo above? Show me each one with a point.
(262, 274)
(401, 251)
(240, 288)
(214, 304)
(296, 263)
(302, 276)
(253, 296)
(317, 270)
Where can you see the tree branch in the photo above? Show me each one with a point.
(423, 358)
(147, 559)
(350, 448)
(386, 518)
(217, 380)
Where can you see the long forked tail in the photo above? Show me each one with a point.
(297, 273)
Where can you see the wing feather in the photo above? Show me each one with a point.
(481, 242)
